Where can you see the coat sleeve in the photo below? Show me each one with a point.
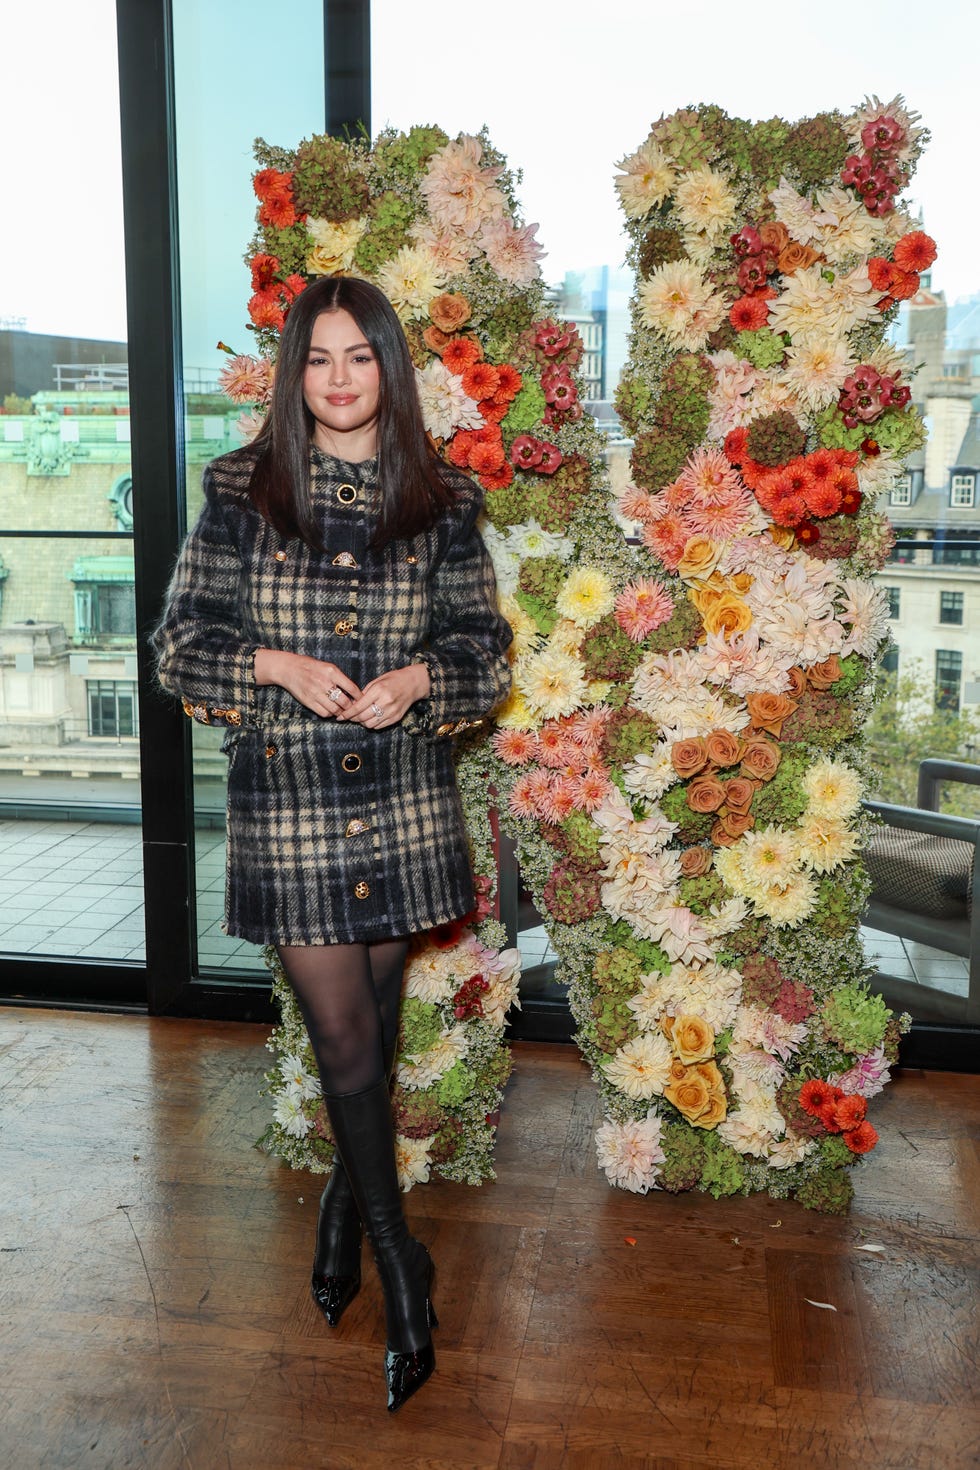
(202, 655)
(466, 652)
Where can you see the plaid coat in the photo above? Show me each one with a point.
(336, 833)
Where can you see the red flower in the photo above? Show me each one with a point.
(277, 207)
(264, 270)
(447, 936)
(850, 502)
(807, 533)
(797, 477)
(815, 1094)
(265, 309)
(871, 448)
(862, 1139)
(749, 313)
(828, 1117)
(510, 383)
(269, 181)
(882, 273)
(736, 445)
(905, 285)
(823, 465)
(526, 451)
(459, 354)
(851, 1110)
(551, 458)
(915, 252)
(497, 479)
(480, 380)
(752, 272)
(558, 387)
(492, 411)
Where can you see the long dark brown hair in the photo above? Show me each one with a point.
(413, 491)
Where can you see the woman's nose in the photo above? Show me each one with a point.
(339, 373)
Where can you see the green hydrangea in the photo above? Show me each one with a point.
(775, 439)
(607, 653)
(455, 1086)
(684, 138)
(291, 247)
(900, 430)
(405, 153)
(505, 325)
(828, 1190)
(855, 1019)
(526, 411)
(840, 903)
(612, 1023)
(817, 147)
(854, 671)
(764, 348)
(628, 732)
(516, 503)
(683, 629)
(682, 409)
(692, 827)
(421, 1026)
(327, 184)
(834, 433)
(391, 216)
(698, 894)
(633, 398)
(685, 1157)
(782, 801)
(618, 969)
(658, 458)
(723, 1172)
(580, 838)
(658, 247)
(650, 955)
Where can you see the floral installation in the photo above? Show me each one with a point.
(732, 1028)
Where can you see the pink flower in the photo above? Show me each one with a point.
(709, 476)
(884, 134)
(515, 747)
(539, 790)
(521, 800)
(636, 504)
(247, 379)
(590, 789)
(721, 518)
(551, 457)
(526, 452)
(561, 799)
(667, 538)
(551, 340)
(587, 727)
(512, 251)
(552, 746)
(642, 606)
(558, 387)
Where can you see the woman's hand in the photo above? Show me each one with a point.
(321, 687)
(386, 699)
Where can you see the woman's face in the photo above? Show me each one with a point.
(341, 387)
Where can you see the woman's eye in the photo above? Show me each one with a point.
(363, 357)
(317, 361)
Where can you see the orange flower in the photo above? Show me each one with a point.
(695, 861)
(436, 339)
(510, 383)
(761, 759)
(739, 792)
(498, 479)
(460, 447)
(768, 711)
(688, 757)
(915, 252)
(691, 1039)
(698, 1092)
(905, 285)
(822, 675)
(851, 1110)
(797, 682)
(774, 237)
(493, 412)
(689, 1094)
(450, 311)
(265, 309)
(722, 748)
(796, 257)
(486, 455)
(480, 380)
(862, 1139)
(720, 837)
(727, 614)
(705, 794)
(735, 824)
(461, 353)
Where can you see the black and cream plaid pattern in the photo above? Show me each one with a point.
(336, 833)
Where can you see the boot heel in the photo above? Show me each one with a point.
(433, 1319)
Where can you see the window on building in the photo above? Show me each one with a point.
(949, 676)
(951, 608)
(894, 595)
(889, 660)
(112, 707)
(959, 548)
(901, 491)
(962, 489)
(105, 605)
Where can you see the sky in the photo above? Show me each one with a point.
(564, 90)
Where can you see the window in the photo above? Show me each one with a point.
(961, 491)
(889, 661)
(901, 491)
(949, 675)
(105, 605)
(112, 707)
(956, 548)
(951, 608)
(894, 595)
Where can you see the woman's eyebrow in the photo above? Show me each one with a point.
(357, 347)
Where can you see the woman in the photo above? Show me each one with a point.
(335, 608)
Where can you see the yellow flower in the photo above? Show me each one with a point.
(700, 559)
(648, 179)
(726, 614)
(514, 713)
(410, 279)
(825, 842)
(333, 245)
(691, 1038)
(586, 596)
(524, 628)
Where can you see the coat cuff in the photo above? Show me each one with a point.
(434, 716)
(241, 677)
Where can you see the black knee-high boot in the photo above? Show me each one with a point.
(361, 1123)
(336, 1277)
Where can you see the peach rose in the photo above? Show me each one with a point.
(705, 794)
(822, 675)
(695, 861)
(735, 823)
(720, 837)
(739, 792)
(742, 581)
(723, 748)
(774, 237)
(691, 1039)
(435, 339)
(689, 1094)
(688, 757)
(450, 311)
(768, 711)
(761, 759)
(796, 257)
(699, 560)
(797, 682)
(783, 536)
(717, 1107)
(728, 615)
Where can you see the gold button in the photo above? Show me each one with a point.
(343, 559)
(351, 761)
(233, 717)
(270, 751)
(445, 730)
(354, 826)
(343, 626)
(411, 560)
(361, 890)
(280, 556)
(201, 713)
(346, 494)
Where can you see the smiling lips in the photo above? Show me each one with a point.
(340, 400)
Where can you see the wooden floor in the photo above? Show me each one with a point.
(154, 1267)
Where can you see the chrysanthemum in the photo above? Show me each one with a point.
(641, 1067)
(294, 1074)
(590, 789)
(334, 244)
(865, 611)
(531, 539)
(678, 302)
(788, 903)
(247, 379)
(720, 518)
(586, 596)
(833, 790)
(588, 726)
(522, 625)
(288, 1111)
(647, 180)
(642, 606)
(635, 504)
(514, 713)
(767, 855)
(410, 279)
(515, 747)
(825, 842)
(667, 538)
(630, 1153)
(815, 371)
(413, 1159)
(539, 790)
(708, 476)
(445, 404)
(552, 745)
(705, 206)
(461, 194)
(512, 251)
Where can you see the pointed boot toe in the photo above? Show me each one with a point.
(334, 1294)
(406, 1373)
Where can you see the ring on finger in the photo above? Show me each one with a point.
(376, 709)
(335, 693)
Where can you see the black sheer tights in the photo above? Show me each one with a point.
(348, 995)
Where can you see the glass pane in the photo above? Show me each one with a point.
(70, 864)
(216, 126)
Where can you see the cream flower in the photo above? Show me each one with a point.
(531, 539)
(752, 1130)
(552, 683)
(833, 789)
(429, 976)
(512, 251)
(461, 194)
(523, 626)
(705, 206)
(647, 181)
(789, 1150)
(871, 110)
(410, 279)
(413, 1158)
(676, 301)
(865, 609)
(651, 775)
(451, 251)
(442, 1056)
(630, 1153)
(801, 219)
(855, 230)
(446, 406)
(815, 371)
(334, 244)
(825, 842)
(586, 596)
(767, 855)
(788, 903)
(641, 1067)
(288, 1111)
(294, 1074)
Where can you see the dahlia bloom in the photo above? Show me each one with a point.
(630, 1153)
